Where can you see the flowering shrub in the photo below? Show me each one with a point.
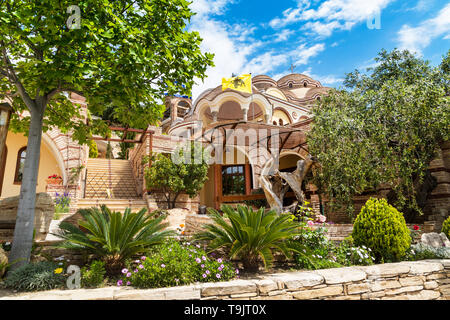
(62, 204)
(174, 264)
(348, 255)
(313, 249)
(55, 176)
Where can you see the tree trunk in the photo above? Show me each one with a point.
(174, 201)
(23, 232)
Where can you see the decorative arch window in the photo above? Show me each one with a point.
(305, 84)
(21, 155)
(280, 122)
(275, 123)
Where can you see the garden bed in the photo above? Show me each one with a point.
(419, 280)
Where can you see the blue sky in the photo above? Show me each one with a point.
(323, 39)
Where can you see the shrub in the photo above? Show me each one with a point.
(250, 235)
(36, 277)
(93, 149)
(349, 255)
(446, 227)
(113, 236)
(422, 252)
(93, 276)
(174, 264)
(383, 229)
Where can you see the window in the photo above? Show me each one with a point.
(233, 180)
(281, 122)
(21, 155)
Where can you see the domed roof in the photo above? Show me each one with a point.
(297, 80)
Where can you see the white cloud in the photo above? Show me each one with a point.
(331, 15)
(283, 35)
(304, 53)
(418, 38)
(328, 80)
(209, 7)
(235, 47)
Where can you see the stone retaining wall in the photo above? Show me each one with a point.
(420, 280)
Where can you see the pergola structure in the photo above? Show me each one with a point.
(276, 140)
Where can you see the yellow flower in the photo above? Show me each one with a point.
(58, 271)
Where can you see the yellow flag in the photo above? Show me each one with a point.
(241, 83)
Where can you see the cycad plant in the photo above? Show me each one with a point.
(250, 235)
(113, 236)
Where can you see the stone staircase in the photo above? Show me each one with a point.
(111, 182)
(113, 204)
(110, 174)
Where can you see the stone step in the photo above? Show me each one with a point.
(113, 204)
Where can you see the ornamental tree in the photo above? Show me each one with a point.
(185, 171)
(382, 131)
(124, 53)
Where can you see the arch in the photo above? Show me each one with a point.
(276, 93)
(233, 96)
(281, 113)
(21, 156)
(50, 143)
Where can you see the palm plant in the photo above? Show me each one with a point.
(113, 236)
(250, 235)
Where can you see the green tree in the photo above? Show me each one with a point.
(185, 171)
(127, 53)
(382, 132)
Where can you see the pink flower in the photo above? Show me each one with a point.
(119, 283)
(128, 274)
(143, 258)
(204, 275)
(141, 266)
(218, 276)
(310, 223)
(204, 258)
(198, 260)
(128, 283)
(219, 260)
(163, 265)
(322, 218)
(124, 271)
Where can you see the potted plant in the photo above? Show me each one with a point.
(54, 179)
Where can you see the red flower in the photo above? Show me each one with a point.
(416, 228)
